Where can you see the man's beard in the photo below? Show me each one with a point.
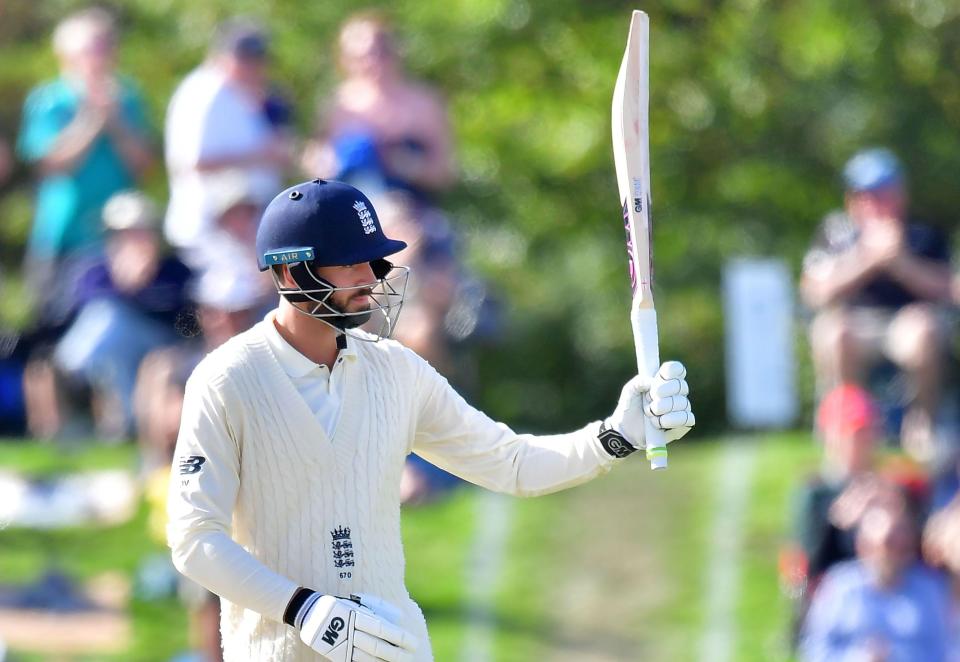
(351, 319)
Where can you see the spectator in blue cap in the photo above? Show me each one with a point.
(872, 170)
(878, 284)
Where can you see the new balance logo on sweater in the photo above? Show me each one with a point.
(191, 464)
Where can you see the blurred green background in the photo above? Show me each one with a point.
(621, 569)
(755, 105)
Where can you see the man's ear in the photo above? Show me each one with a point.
(282, 272)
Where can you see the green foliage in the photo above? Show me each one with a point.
(755, 106)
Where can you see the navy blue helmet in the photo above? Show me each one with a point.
(334, 220)
(324, 224)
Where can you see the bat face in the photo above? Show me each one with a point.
(631, 249)
(638, 280)
(631, 156)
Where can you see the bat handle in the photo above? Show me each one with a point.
(647, 343)
(656, 446)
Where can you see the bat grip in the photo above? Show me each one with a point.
(646, 339)
(656, 446)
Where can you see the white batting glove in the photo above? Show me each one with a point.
(662, 399)
(379, 606)
(346, 630)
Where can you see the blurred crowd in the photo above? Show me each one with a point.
(873, 564)
(129, 293)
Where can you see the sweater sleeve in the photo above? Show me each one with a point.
(466, 442)
(203, 489)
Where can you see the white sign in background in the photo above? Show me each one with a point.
(760, 364)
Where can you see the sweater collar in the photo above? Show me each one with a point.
(293, 363)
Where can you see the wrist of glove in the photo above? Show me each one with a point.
(663, 400)
(360, 628)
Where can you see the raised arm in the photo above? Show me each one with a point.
(924, 278)
(131, 144)
(882, 248)
(466, 442)
(829, 278)
(52, 143)
(73, 143)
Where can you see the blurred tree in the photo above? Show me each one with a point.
(755, 106)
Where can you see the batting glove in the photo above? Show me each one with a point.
(662, 399)
(349, 630)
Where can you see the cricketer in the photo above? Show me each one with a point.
(284, 495)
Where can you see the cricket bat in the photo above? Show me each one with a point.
(631, 154)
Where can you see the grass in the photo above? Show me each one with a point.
(616, 569)
(763, 612)
(612, 570)
(159, 627)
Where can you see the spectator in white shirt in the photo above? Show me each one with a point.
(223, 116)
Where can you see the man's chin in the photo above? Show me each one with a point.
(357, 319)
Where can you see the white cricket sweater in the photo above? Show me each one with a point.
(262, 500)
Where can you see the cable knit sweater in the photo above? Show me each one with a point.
(262, 500)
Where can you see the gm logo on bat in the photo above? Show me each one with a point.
(637, 195)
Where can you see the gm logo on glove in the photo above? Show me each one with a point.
(333, 630)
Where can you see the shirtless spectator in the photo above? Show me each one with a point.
(382, 129)
(223, 117)
(877, 282)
